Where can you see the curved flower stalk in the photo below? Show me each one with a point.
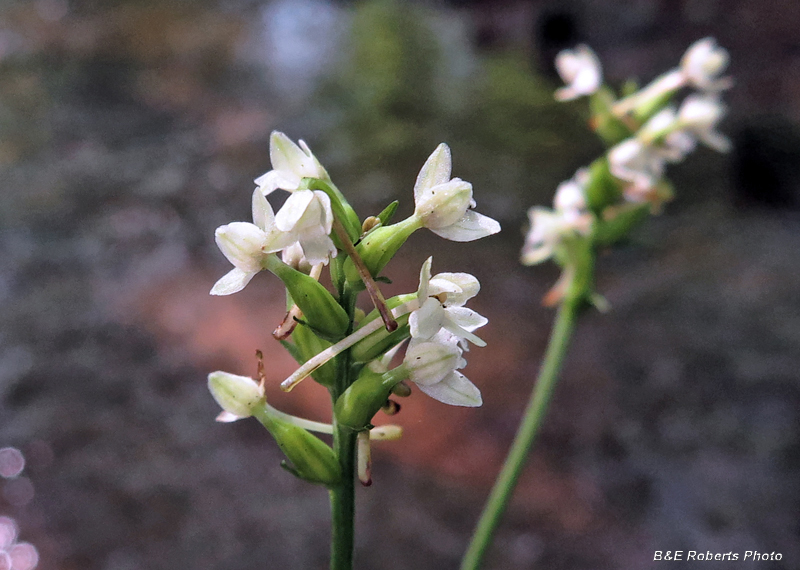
(581, 71)
(599, 207)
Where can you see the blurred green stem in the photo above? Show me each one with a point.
(532, 420)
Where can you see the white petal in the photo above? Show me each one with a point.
(284, 154)
(424, 280)
(463, 333)
(318, 249)
(454, 390)
(274, 179)
(533, 253)
(293, 210)
(241, 243)
(427, 320)
(471, 227)
(232, 282)
(436, 170)
(235, 394)
(444, 204)
(468, 284)
(263, 215)
(227, 417)
(429, 362)
(465, 318)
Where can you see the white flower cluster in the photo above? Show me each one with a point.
(304, 221)
(301, 229)
(440, 329)
(638, 162)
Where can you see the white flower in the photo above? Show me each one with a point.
(700, 114)
(443, 204)
(245, 246)
(581, 71)
(290, 164)
(433, 366)
(636, 162)
(441, 300)
(703, 63)
(235, 394)
(548, 227)
(307, 219)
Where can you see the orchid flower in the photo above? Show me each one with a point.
(443, 204)
(246, 244)
(548, 227)
(433, 365)
(702, 65)
(581, 71)
(441, 305)
(699, 115)
(290, 164)
(307, 218)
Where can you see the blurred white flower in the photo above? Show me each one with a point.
(702, 65)
(548, 227)
(700, 115)
(443, 204)
(246, 244)
(580, 69)
(290, 164)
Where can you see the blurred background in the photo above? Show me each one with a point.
(131, 129)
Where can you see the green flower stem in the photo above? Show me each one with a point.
(532, 420)
(342, 495)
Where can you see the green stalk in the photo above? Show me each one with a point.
(342, 495)
(532, 420)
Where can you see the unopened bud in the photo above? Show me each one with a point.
(235, 394)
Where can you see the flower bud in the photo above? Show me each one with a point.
(378, 248)
(235, 394)
(311, 458)
(362, 400)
